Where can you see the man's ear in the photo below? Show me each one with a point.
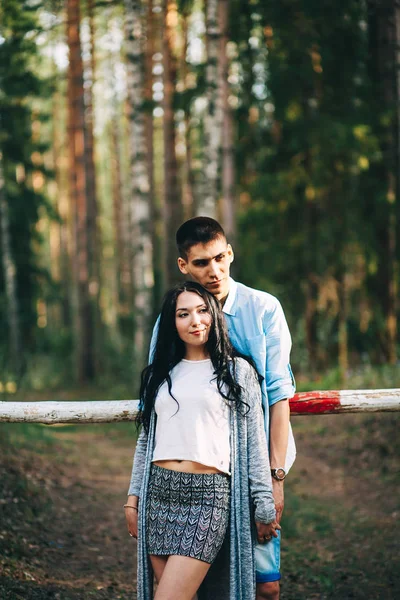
(182, 265)
(230, 250)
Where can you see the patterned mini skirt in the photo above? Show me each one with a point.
(186, 514)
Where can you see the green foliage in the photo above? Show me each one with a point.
(20, 147)
(309, 188)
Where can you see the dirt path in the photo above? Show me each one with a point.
(82, 549)
(340, 528)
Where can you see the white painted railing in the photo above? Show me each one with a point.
(106, 411)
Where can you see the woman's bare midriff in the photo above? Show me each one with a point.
(185, 466)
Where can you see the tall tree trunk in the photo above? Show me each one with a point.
(91, 194)
(84, 346)
(213, 117)
(154, 25)
(384, 43)
(143, 279)
(10, 278)
(228, 163)
(172, 197)
(311, 275)
(188, 178)
(118, 217)
(59, 230)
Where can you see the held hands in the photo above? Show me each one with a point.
(265, 532)
(131, 516)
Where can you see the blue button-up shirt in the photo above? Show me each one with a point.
(257, 327)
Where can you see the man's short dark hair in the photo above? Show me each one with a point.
(199, 230)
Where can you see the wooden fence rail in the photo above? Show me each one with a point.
(107, 411)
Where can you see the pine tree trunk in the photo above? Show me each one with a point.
(59, 230)
(207, 205)
(118, 217)
(384, 42)
(84, 339)
(153, 45)
(228, 163)
(172, 197)
(188, 179)
(10, 278)
(140, 212)
(91, 193)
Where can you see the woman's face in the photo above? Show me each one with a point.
(192, 319)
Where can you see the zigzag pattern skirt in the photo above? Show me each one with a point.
(186, 514)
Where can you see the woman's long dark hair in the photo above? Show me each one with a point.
(170, 350)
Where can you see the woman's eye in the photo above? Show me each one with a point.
(203, 310)
(182, 315)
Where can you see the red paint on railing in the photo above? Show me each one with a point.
(315, 403)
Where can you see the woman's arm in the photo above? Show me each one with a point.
(258, 460)
(138, 464)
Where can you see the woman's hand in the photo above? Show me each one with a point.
(131, 516)
(265, 532)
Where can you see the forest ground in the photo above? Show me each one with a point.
(63, 536)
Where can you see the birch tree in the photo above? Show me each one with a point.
(140, 213)
(213, 116)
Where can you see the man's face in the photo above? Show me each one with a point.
(209, 265)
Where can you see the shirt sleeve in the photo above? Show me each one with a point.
(139, 461)
(278, 373)
(258, 460)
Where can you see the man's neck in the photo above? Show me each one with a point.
(223, 300)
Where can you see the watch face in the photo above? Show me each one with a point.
(280, 473)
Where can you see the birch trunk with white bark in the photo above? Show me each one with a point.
(207, 205)
(140, 211)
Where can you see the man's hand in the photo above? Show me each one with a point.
(265, 532)
(279, 498)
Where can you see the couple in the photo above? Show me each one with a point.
(201, 488)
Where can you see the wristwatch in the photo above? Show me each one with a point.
(279, 474)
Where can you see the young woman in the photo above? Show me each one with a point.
(201, 472)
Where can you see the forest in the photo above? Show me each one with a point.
(119, 120)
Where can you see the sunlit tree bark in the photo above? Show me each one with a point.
(9, 270)
(84, 346)
(228, 163)
(140, 213)
(188, 178)
(172, 193)
(91, 190)
(207, 205)
(153, 45)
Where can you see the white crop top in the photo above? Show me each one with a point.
(198, 429)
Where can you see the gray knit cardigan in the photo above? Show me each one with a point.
(232, 575)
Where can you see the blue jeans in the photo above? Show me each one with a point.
(268, 560)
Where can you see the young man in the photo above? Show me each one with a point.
(257, 327)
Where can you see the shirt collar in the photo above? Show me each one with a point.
(228, 307)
